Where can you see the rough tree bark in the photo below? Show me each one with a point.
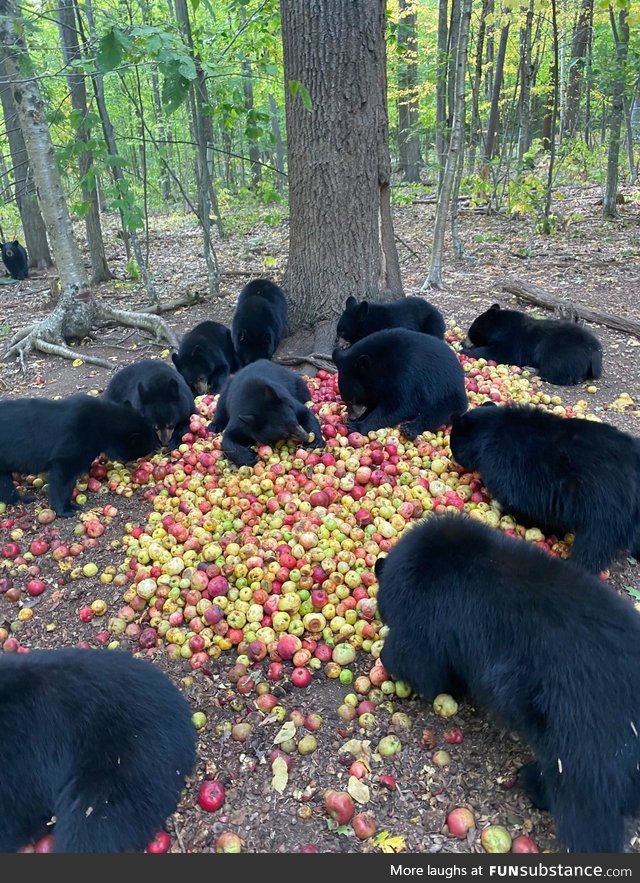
(254, 150)
(475, 126)
(547, 225)
(434, 279)
(621, 39)
(71, 52)
(341, 240)
(580, 45)
(35, 234)
(408, 138)
(77, 312)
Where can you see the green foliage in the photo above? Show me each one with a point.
(133, 270)
(298, 89)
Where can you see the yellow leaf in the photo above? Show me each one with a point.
(358, 790)
(165, 353)
(388, 843)
(286, 731)
(280, 775)
(77, 362)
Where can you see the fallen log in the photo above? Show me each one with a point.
(533, 294)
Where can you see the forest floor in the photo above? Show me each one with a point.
(589, 262)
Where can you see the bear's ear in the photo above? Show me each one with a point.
(337, 354)
(127, 404)
(248, 420)
(457, 420)
(173, 387)
(351, 302)
(142, 391)
(494, 308)
(363, 365)
(175, 358)
(270, 393)
(363, 308)
(15, 243)
(488, 404)
(379, 566)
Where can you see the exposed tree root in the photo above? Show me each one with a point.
(146, 321)
(48, 336)
(188, 300)
(319, 361)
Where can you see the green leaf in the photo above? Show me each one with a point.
(297, 88)
(110, 50)
(175, 86)
(635, 593)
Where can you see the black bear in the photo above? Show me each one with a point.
(360, 319)
(62, 438)
(560, 351)
(206, 357)
(547, 649)
(258, 321)
(15, 259)
(400, 377)
(160, 393)
(98, 739)
(262, 404)
(561, 474)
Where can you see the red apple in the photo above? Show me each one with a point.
(339, 805)
(460, 821)
(212, 795)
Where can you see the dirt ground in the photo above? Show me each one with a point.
(589, 262)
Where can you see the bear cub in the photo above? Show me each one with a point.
(258, 321)
(560, 351)
(547, 649)
(159, 393)
(262, 404)
(206, 357)
(557, 473)
(63, 438)
(414, 313)
(15, 259)
(400, 377)
(98, 739)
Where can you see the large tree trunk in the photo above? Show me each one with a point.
(408, 139)
(455, 145)
(35, 234)
(341, 237)
(580, 45)
(621, 38)
(71, 53)
(548, 227)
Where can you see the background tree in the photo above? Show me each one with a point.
(35, 234)
(341, 236)
(77, 311)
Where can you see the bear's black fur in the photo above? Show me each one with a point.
(262, 404)
(360, 319)
(98, 739)
(62, 438)
(15, 259)
(561, 474)
(560, 351)
(206, 357)
(160, 393)
(400, 377)
(549, 650)
(258, 321)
